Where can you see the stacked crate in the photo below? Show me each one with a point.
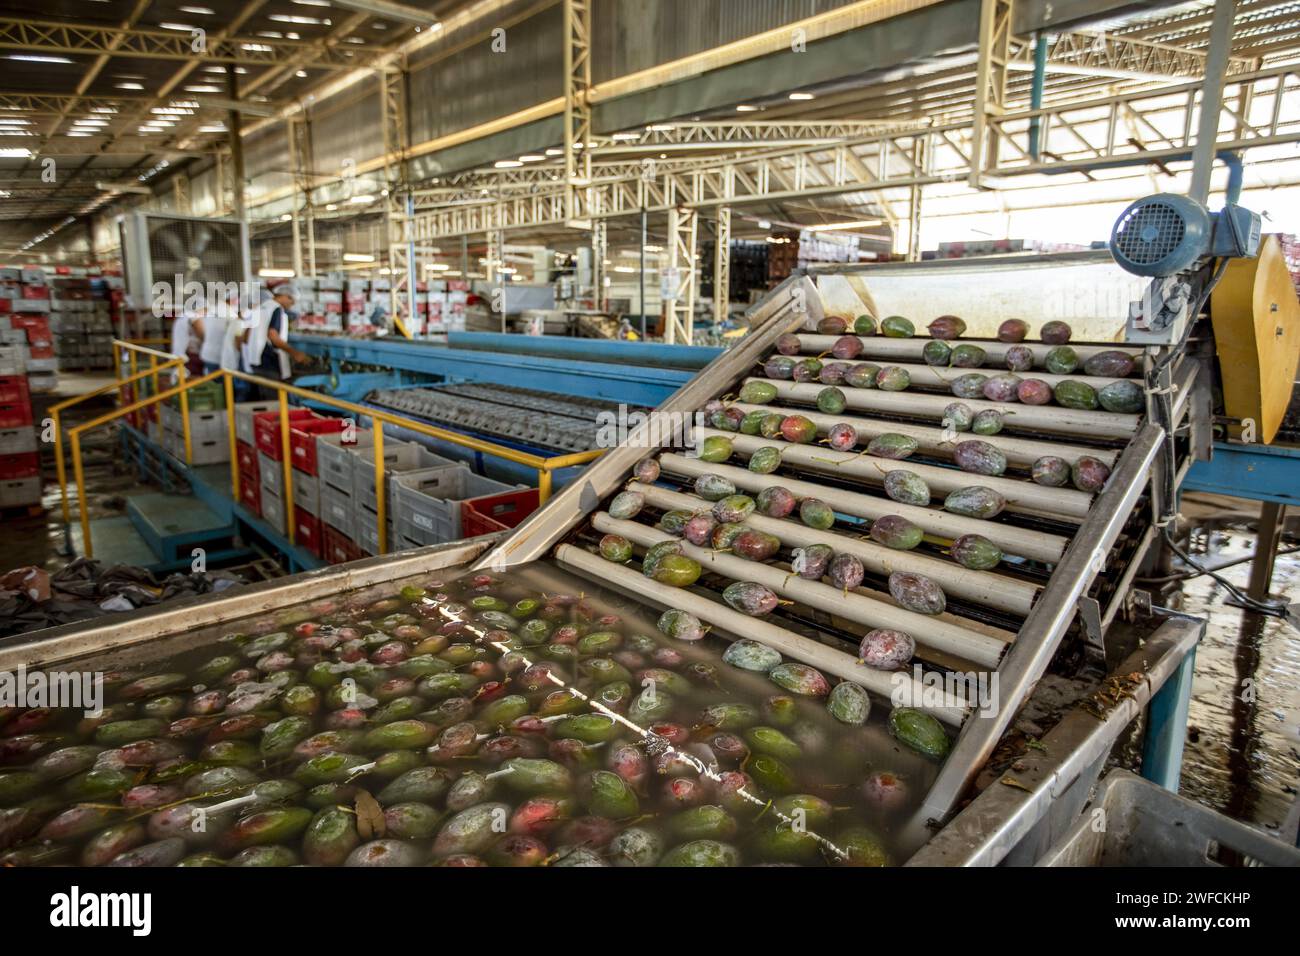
(209, 437)
(250, 481)
(25, 309)
(20, 463)
(80, 320)
(270, 467)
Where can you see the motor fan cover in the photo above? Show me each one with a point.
(1161, 235)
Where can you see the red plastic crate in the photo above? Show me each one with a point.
(36, 292)
(302, 441)
(266, 429)
(15, 414)
(29, 321)
(38, 351)
(306, 528)
(250, 496)
(336, 547)
(13, 390)
(491, 513)
(27, 465)
(246, 456)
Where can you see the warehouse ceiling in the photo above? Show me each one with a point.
(114, 91)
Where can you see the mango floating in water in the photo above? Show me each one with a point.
(681, 625)
(751, 656)
(920, 731)
(849, 703)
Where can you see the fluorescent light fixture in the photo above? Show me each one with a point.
(217, 128)
(746, 108)
(654, 248)
(361, 200)
(312, 3)
(437, 266)
(624, 269)
(16, 119)
(801, 96)
(77, 134)
(294, 18)
(276, 273)
(128, 86)
(285, 217)
(199, 11)
(626, 137)
(256, 47)
(301, 74)
(531, 158)
(331, 207)
(103, 109)
(178, 27)
(89, 122)
(38, 58)
(506, 164)
(661, 127)
(202, 89)
(555, 151)
(357, 257)
(170, 111)
(15, 152)
(832, 226)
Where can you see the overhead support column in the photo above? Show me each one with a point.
(304, 252)
(236, 147)
(577, 109)
(1207, 130)
(599, 252)
(722, 265)
(397, 144)
(990, 85)
(679, 281)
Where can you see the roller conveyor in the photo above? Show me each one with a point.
(1056, 542)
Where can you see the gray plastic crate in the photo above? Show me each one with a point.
(399, 458)
(203, 425)
(16, 492)
(337, 511)
(271, 473)
(1147, 825)
(273, 510)
(334, 460)
(203, 451)
(17, 441)
(366, 528)
(244, 412)
(427, 502)
(306, 492)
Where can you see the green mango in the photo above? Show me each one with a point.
(279, 738)
(920, 731)
(330, 837)
(703, 823)
(1073, 394)
(849, 703)
(769, 740)
(589, 728)
(412, 821)
(535, 777)
(702, 853)
(421, 784)
(606, 794)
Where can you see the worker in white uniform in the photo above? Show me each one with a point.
(187, 341)
(220, 330)
(267, 352)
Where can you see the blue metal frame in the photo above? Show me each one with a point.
(1255, 472)
(609, 351)
(632, 384)
(1166, 730)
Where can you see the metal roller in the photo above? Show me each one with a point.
(928, 376)
(821, 656)
(1035, 545)
(986, 588)
(1046, 418)
(902, 350)
(1019, 451)
(1022, 496)
(861, 605)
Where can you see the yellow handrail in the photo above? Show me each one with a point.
(545, 467)
(57, 409)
